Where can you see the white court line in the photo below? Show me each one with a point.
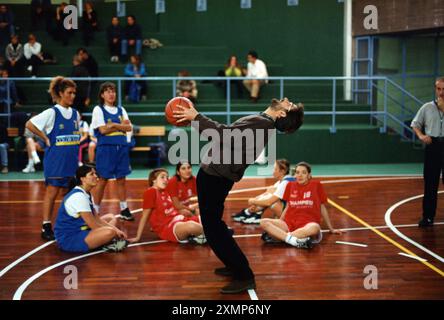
(352, 244)
(253, 295)
(24, 257)
(389, 223)
(412, 257)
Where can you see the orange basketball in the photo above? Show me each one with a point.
(172, 106)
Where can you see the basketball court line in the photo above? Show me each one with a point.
(385, 237)
(389, 223)
(411, 257)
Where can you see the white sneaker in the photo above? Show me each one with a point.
(36, 159)
(28, 169)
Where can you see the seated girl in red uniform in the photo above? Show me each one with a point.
(164, 219)
(181, 188)
(299, 224)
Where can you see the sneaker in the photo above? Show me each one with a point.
(240, 216)
(238, 286)
(254, 218)
(28, 169)
(36, 159)
(425, 222)
(5, 170)
(47, 233)
(116, 245)
(269, 239)
(126, 215)
(197, 240)
(304, 243)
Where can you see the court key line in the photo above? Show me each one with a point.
(385, 237)
(389, 223)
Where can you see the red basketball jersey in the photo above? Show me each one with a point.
(304, 202)
(183, 191)
(163, 210)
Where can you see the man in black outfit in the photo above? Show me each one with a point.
(216, 177)
(428, 125)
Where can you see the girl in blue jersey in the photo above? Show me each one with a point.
(59, 128)
(110, 124)
(77, 228)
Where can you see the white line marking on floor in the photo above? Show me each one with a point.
(411, 257)
(352, 244)
(389, 223)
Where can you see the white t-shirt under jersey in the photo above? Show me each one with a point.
(78, 202)
(281, 185)
(98, 119)
(45, 121)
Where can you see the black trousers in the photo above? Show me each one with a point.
(433, 167)
(211, 192)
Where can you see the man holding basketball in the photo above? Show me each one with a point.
(218, 177)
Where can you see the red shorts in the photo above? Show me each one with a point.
(297, 224)
(167, 232)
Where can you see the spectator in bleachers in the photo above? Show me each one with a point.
(12, 100)
(88, 62)
(256, 69)
(90, 23)
(135, 90)
(4, 146)
(34, 55)
(114, 34)
(6, 26)
(33, 144)
(132, 37)
(61, 33)
(15, 58)
(186, 88)
(82, 99)
(41, 9)
(234, 69)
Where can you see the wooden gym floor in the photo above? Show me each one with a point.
(157, 270)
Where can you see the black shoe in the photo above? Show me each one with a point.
(47, 233)
(240, 216)
(126, 215)
(238, 286)
(425, 222)
(197, 239)
(254, 218)
(269, 239)
(224, 271)
(304, 243)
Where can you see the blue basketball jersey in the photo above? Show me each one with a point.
(113, 138)
(61, 158)
(67, 225)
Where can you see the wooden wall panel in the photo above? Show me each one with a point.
(399, 15)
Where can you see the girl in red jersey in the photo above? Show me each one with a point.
(164, 219)
(181, 188)
(299, 224)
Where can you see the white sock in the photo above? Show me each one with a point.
(247, 212)
(30, 162)
(46, 221)
(97, 208)
(291, 239)
(123, 205)
(35, 155)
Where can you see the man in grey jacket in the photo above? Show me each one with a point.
(225, 164)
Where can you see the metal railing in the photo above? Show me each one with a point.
(382, 116)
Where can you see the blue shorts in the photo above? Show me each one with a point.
(58, 182)
(75, 242)
(112, 161)
(41, 143)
